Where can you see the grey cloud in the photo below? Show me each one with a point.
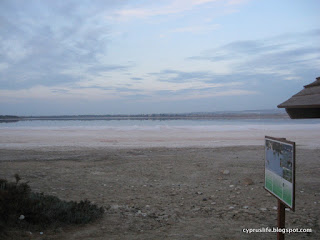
(108, 68)
(268, 47)
(117, 89)
(165, 92)
(261, 83)
(252, 47)
(59, 90)
(288, 52)
(124, 89)
(136, 97)
(42, 39)
(295, 58)
(237, 49)
(170, 75)
(136, 79)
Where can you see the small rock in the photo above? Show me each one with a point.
(21, 217)
(226, 172)
(199, 193)
(231, 186)
(287, 209)
(231, 207)
(204, 199)
(245, 207)
(263, 209)
(41, 233)
(115, 207)
(247, 181)
(275, 208)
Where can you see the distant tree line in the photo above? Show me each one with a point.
(154, 116)
(8, 117)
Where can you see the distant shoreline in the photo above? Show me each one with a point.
(186, 116)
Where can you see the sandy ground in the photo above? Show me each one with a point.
(166, 187)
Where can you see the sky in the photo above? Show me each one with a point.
(167, 56)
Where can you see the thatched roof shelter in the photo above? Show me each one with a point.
(306, 103)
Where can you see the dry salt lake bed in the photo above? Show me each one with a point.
(164, 179)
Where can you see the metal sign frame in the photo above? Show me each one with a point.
(287, 168)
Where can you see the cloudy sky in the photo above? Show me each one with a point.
(111, 57)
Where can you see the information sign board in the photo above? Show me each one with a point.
(280, 169)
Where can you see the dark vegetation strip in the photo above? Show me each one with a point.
(20, 208)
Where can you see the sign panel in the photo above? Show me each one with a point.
(280, 169)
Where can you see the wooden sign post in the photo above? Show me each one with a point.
(281, 219)
(280, 176)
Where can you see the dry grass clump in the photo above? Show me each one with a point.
(22, 208)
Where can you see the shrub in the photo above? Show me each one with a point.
(41, 210)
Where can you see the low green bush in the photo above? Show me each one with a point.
(20, 207)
